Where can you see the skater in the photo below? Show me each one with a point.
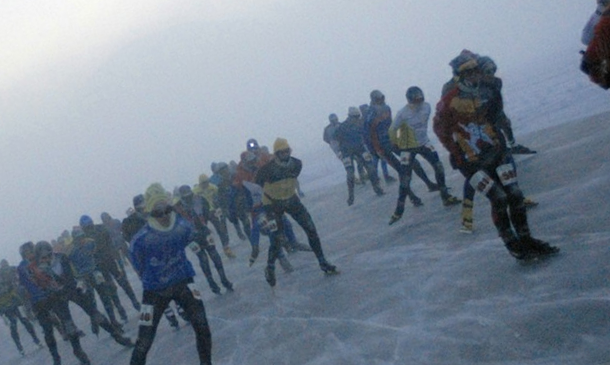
(409, 132)
(278, 178)
(464, 123)
(129, 227)
(158, 254)
(597, 56)
(193, 208)
(488, 70)
(106, 257)
(351, 146)
(10, 304)
(209, 192)
(261, 226)
(80, 291)
(376, 125)
(588, 30)
(38, 276)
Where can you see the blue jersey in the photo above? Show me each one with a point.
(158, 255)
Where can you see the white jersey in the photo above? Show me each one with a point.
(415, 117)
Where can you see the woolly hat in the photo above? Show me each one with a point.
(156, 195)
(466, 60)
(280, 144)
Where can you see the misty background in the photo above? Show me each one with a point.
(99, 99)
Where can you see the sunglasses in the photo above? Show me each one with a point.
(158, 213)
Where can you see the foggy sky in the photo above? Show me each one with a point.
(98, 100)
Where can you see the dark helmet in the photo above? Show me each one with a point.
(377, 96)
(333, 118)
(138, 200)
(487, 65)
(42, 249)
(414, 93)
(105, 217)
(185, 191)
(252, 145)
(28, 246)
(85, 220)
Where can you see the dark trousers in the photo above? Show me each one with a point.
(508, 211)
(59, 306)
(153, 305)
(299, 213)
(12, 314)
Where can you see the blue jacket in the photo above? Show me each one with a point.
(158, 254)
(82, 256)
(350, 135)
(35, 293)
(376, 129)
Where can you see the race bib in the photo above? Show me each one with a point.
(507, 174)
(481, 182)
(218, 213)
(367, 156)
(146, 315)
(194, 246)
(195, 291)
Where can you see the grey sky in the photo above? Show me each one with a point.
(99, 99)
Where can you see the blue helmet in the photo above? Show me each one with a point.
(85, 220)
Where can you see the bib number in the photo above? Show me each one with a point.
(146, 315)
(507, 174)
(481, 182)
(194, 246)
(367, 156)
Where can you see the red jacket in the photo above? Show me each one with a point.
(596, 61)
